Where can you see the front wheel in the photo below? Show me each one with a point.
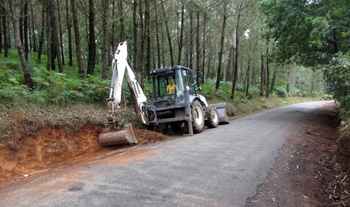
(197, 116)
(213, 118)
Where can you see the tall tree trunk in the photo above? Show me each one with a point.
(163, 50)
(209, 59)
(191, 40)
(48, 37)
(142, 66)
(25, 32)
(121, 19)
(197, 49)
(203, 56)
(77, 39)
(169, 37)
(8, 34)
(113, 26)
(226, 73)
(253, 76)
(4, 28)
(54, 33)
(41, 41)
(267, 72)
(148, 38)
(2, 13)
(218, 74)
(105, 65)
(21, 27)
(33, 29)
(69, 23)
(235, 56)
(273, 80)
(181, 34)
(262, 75)
(247, 78)
(157, 35)
(92, 43)
(15, 15)
(136, 55)
(60, 29)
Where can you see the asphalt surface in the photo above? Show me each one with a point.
(218, 167)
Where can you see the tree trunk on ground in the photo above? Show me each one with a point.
(181, 34)
(41, 41)
(267, 72)
(169, 37)
(49, 39)
(69, 23)
(136, 55)
(77, 39)
(105, 53)
(14, 7)
(4, 28)
(92, 43)
(218, 74)
(262, 75)
(25, 30)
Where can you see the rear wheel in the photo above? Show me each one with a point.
(197, 116)
(213, 118)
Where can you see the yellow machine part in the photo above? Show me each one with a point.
(117, 136)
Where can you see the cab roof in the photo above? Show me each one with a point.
(167, 70)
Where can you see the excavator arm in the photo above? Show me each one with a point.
(120, 66)
(117, 133)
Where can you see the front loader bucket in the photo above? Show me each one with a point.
(118, 136)
(221, 108)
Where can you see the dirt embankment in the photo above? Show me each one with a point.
(50, 147)
(308, 170)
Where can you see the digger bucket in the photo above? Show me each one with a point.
(222, 113)
(118, 136)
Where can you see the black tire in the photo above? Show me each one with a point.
(213, 117)
(197, 116)
(179, 127)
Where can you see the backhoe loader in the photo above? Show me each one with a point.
(182, 110)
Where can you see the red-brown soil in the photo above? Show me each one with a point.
(49, 148)
(308, 171)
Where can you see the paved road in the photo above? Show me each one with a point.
(218, 167)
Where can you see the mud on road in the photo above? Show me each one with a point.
(53, 147)
(308, 170)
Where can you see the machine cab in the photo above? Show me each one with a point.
(163, 89)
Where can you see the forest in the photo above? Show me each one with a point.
(61, 51)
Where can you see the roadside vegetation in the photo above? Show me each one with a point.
(65, 100)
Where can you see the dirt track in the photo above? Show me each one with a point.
(219, 167)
